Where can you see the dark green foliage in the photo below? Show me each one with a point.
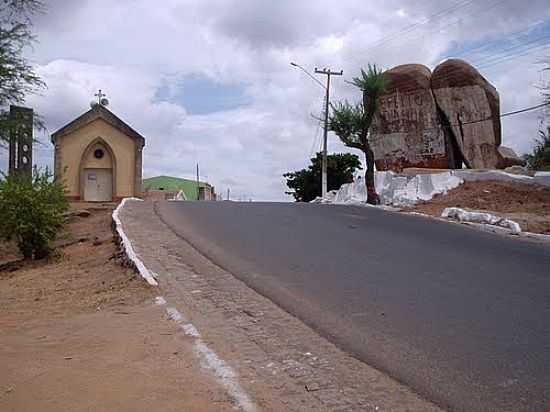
(31, 211)
(539, 159)
(352, 123)
(17, 77)
(305, 184)
(348, 122)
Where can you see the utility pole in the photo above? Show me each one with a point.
(198, 191)
(328, 73)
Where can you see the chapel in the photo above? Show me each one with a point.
(98, 157)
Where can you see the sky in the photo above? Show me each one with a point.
(210, 81)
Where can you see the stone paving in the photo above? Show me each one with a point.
(282, 363)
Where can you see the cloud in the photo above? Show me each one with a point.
(251, 115)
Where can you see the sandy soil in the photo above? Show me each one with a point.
(81, 333)
(8, 252)
(529, 205)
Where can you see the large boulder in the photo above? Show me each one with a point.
(470, 109)
(406, 130)
(509, 158)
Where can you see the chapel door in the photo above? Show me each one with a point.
(98, 185)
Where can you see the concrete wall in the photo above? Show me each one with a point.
(70, 149)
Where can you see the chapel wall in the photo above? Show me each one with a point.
(72, 146)
(91, 161)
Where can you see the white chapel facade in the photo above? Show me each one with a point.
(98, 157)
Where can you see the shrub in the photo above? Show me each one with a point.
(539, 159)
(31, 211)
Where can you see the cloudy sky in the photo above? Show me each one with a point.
(209, 81)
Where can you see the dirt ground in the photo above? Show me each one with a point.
(527, 204)
(81, 333)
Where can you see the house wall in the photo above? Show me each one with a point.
(70, 148)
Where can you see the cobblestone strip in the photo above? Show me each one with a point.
(281, 362)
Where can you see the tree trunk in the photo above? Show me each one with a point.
(373, 198)
(41, 253)
(25, 249)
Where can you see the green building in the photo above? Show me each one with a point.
(177, 184)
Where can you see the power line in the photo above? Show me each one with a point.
(512, 37)
(315, 140)
(508, 114)
(529, 109)
(486, 61)
(432, 19)
(506, 58)
(514, 50)
(413, 26)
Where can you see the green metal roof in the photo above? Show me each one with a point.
(169, 183)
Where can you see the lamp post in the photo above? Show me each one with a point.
(309, 74)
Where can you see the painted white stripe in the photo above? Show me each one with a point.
(159, 300)
(174, 315)
(190, 330)
(210, 360)
(225, 374)
(127, 245)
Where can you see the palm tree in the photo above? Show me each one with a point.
(352, 123)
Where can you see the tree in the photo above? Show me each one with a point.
(539, 159)
(17, 76)
(32, 211)
(352, 123)
(305, 184)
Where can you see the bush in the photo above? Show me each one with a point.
(31, 211)
(305, 184)
(540, 158)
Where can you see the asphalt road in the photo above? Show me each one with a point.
(460, 315)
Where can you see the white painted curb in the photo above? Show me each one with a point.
(145, 273)
(208, 358)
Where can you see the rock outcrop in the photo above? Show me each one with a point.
(407, 131)
(509, 158)
(438, 120)
(470, 106)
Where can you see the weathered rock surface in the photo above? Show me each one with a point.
(470, 106)
(407, 131)
(519, 170)
(509, 158)
(76, 213)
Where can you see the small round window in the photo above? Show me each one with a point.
(98, 154)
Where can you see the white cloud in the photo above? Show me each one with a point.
(131, 49)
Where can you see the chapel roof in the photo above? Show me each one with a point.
(98, 112)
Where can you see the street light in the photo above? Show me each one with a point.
(309, 74)
(324, 162)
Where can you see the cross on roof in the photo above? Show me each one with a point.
(99, 96)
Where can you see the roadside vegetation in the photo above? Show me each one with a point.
(17, 76)
(32, 211)
(305, 184)
(352, 122)
(539, 158)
